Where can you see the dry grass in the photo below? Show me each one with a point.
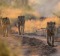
(4, 50)
(33, 26)
(30, 26)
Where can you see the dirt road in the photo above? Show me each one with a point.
(14, 43)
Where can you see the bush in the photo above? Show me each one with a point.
(4, 51)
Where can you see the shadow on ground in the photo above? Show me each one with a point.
(33, 46)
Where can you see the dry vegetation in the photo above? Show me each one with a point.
(4, 50)
(37, 24)
(33, 26)
(30, 26)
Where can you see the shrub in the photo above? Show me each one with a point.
(4, 50)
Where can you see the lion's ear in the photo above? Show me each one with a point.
(54, 23)
(47, 23)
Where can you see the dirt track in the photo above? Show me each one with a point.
(14, 43)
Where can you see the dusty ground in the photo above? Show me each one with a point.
(31, 46)
(14, 42)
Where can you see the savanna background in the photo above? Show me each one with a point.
(37, 13)
(42, 11)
